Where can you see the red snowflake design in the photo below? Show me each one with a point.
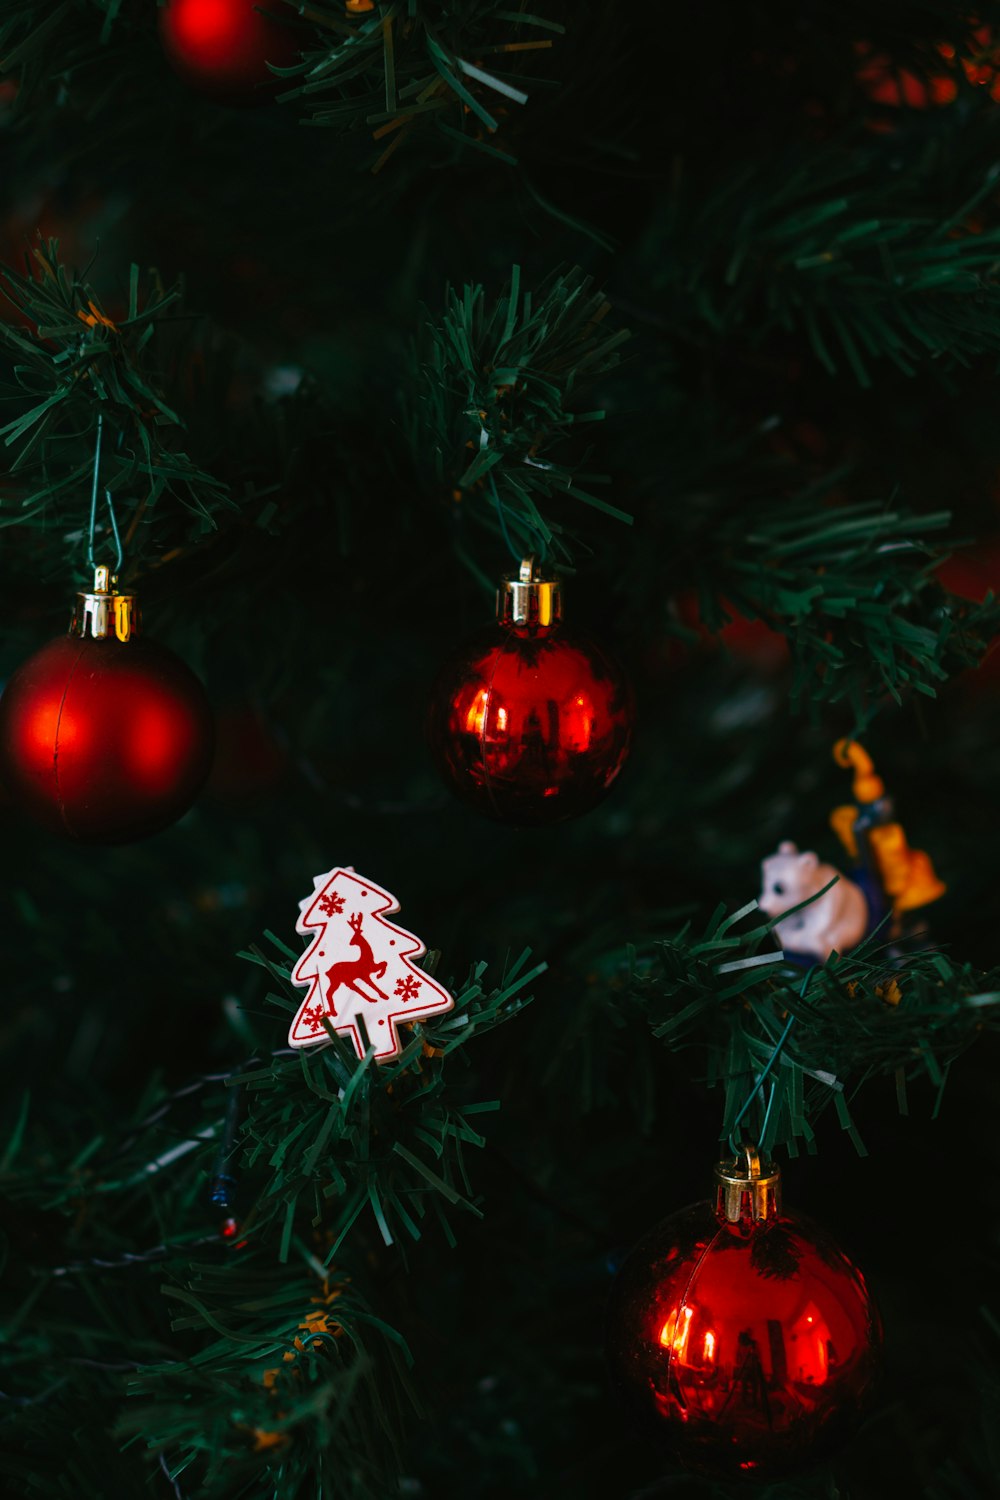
(312, 1018)
(408, 988)
(331, 904)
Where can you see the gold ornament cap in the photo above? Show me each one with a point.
(748, 1188)
(526, 598)
(103, 613)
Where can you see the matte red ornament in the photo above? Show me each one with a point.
(223, 47)
(743, 1335)
(104, 738)
(532, 721)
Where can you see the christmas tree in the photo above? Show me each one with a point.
(316, 321)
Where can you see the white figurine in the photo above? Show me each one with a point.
(835, 923)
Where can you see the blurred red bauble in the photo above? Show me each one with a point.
(532, 721)
(750, 640)
(972, 574)
(223, 47)
(103, 738)
(886, 82)
(248, 758)
(743, 1335)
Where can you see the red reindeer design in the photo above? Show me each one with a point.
(352, 972)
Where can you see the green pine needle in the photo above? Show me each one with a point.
(861, 1017)
(71, 365)
(499, 393)
(447, 73)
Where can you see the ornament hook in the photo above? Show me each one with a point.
(528, 597)
(750, 1160)
(95, 485)
(748, 1190)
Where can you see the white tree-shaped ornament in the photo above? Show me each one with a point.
(358, 964)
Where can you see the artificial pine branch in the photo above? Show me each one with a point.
(450, 72)
(272, 1375)
(49, 48)
(867, 262)
(326, 1138)
(448, 76)
(293, 1383)
(853, 585)
(861, 1016)
(496, 397)
(73, 367)
(389, 1139)
(854, 589)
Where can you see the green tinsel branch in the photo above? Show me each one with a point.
(389, 1138)
(854, 589)
(852, 584)
(68, 48)
(449, 76)
(500, 385)
(860, 1016)
(257, 1359)
(267, 1379)
(73, 367)
(325, 1138)
(833, 242)
(294, 1382)
(451, 72)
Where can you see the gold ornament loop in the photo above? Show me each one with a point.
(525, 598)
(748, 1188)
(103, 612)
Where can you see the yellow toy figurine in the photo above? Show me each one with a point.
(876, 842)
(820, 911)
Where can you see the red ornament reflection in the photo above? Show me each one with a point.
(223, 47)
(750, 1348)
(105, 741)
(531, 724)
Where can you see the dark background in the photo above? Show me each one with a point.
(320, 604)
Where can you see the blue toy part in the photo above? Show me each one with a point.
(878, 907)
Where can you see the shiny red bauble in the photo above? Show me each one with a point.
(750, 1348)
(223, 47)
(531, 722)
(105, 740)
